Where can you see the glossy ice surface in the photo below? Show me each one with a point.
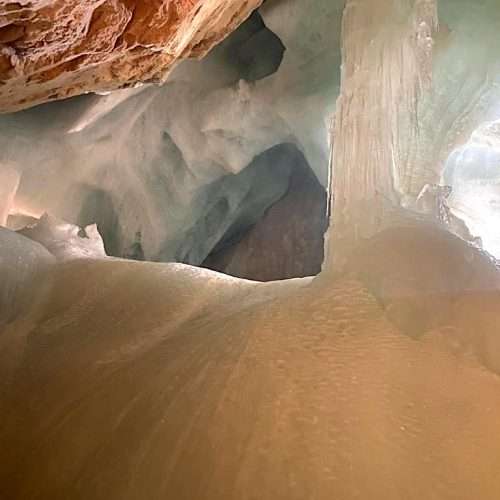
(141, 380)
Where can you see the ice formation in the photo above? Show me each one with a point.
(378, 379)
(142, 380)
(65, 241)
(472, 171)
(385, 68)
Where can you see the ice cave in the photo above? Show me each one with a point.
(249, 249)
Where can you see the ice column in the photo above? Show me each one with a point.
(386, 64)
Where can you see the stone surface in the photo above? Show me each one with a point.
(287, 241)
(52, 49)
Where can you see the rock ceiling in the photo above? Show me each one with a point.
(52, 49)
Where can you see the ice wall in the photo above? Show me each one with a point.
(466, 88)
(65, 241)
(473, 174)
(9, 182)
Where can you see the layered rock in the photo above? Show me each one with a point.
(52, 49)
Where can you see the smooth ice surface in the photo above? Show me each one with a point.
(23, 267)
(141, 380)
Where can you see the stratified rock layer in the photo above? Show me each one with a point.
(52, 49)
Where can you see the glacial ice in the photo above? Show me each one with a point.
(376, 380)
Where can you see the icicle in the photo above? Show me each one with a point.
(386, 64)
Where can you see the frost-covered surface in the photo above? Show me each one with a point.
(466, 88)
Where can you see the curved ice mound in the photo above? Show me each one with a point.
(66, 241)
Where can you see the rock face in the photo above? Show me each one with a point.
(287, 242)
(52, 49)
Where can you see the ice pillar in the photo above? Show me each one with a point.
(386, 64)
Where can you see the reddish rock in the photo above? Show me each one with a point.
(53, 49)
(287, 242)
